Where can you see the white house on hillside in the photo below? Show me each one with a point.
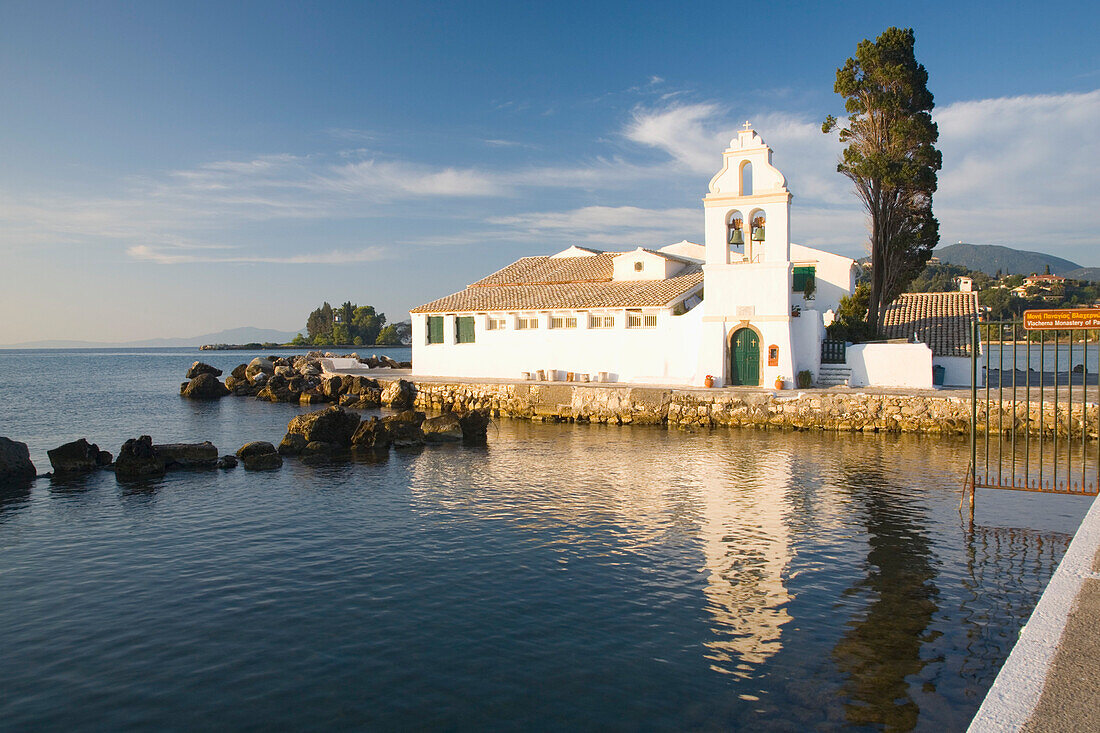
(746, 307)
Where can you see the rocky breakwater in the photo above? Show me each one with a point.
(335, 433)
(300, 379)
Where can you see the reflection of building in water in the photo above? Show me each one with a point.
(746, 540)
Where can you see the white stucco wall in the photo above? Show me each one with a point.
(890, 365)
(835, 276)
(957, 370)
(666, 354)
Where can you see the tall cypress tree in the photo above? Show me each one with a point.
(891, 158)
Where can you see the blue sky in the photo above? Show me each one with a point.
(179, 168)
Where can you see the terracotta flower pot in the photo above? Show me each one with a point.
(709, 381)
(779, 384)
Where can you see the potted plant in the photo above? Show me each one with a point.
(779, 382)
(708, 381)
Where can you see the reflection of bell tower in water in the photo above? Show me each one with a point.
(746, 541)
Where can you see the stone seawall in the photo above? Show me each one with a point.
(693, 408)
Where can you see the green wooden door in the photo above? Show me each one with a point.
(745, 357)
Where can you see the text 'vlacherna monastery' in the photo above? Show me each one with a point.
(746, 308)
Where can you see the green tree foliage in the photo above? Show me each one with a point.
(299, 340)
(396, 334)
(851, 317)
(346, 324)
(891, 158)
(319, 324)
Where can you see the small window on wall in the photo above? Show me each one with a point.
(435, 329)
(639, 266)
(464, 330)
(563, 322)
(494, 324)
(803, 280)
(526, 322)
(601, 322)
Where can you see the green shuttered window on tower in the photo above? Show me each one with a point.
(435, 329)
(464, 330)
(802, 276)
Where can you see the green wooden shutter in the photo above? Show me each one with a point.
(802, 275)
(464, 329)
(435, 329)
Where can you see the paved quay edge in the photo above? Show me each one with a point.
(1012, 700)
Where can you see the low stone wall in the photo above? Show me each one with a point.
(675, 408)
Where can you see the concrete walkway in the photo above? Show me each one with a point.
(1049, 681)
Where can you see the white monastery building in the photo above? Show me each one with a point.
(746, 307)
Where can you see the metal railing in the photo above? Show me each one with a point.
(1033, 426)
(833, 351)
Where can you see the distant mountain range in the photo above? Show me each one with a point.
(989, 258)
(244, 335)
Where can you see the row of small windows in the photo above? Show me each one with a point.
(464, 325)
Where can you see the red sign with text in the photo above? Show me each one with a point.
(1062, 319)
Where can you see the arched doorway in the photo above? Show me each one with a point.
(745, 357)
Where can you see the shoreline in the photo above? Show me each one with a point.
(268, 345)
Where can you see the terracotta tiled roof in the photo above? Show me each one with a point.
(541, 286)
(941, 320)
(540, 270)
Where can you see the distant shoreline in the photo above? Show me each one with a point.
(255, 346)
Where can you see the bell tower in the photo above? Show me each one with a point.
(747, 209)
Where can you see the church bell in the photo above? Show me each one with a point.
(758, 234)
(736, 237)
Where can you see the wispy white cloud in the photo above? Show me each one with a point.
(1018, 171)
(178, 256)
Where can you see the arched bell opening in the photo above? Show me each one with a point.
(735, 235)
(745, 178)
(756, 226)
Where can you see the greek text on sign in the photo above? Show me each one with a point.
(1063, 319)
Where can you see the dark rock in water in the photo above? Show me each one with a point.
(404, 428)
(442, 429)
(333, 387)
(292, 444)
(188, 455)
(416, 417)
(475, 425)
(15, 462)
(78, 456)
(104, 459)
(320, 447)
(366, 399)
(312, 397)
(371, 361)
(233, 383)
(373, 434)
(360, 385)
(239, 371)
(405, 364)
(258, 379)
(138, 458)
(348, 400)
(331, 425)
(259, 456)
(204, 387)
(399, 395)
(227, 462)
(202, 368)
(257, 366)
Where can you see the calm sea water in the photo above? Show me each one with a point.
(566, 576)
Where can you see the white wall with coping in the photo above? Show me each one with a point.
(957, 370)
(665, 354)
(890, 365)
(1015, 693)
